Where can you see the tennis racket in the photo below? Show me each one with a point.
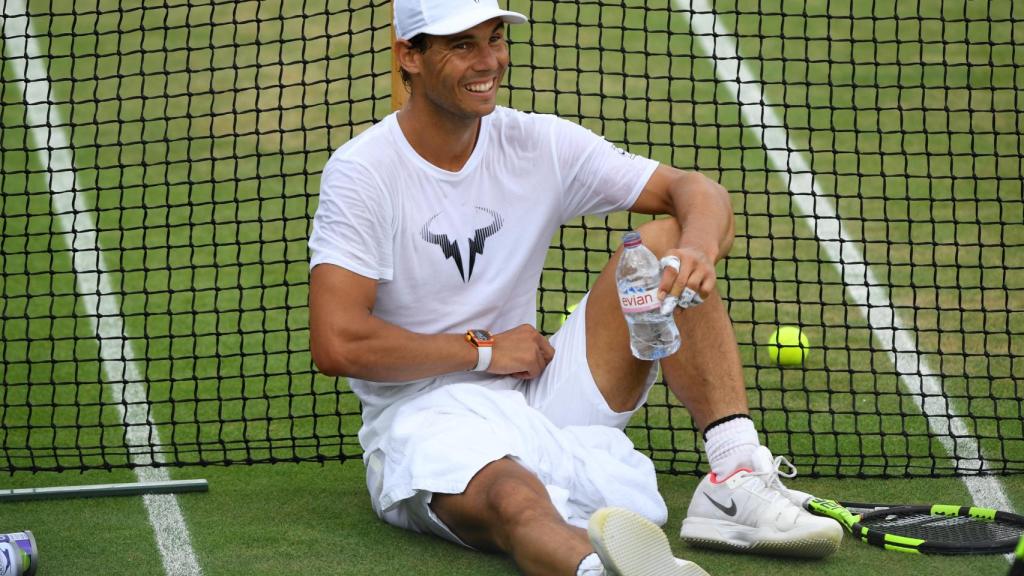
(935, 529)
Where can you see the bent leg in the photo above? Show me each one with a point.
(506, 508)
(705, 374)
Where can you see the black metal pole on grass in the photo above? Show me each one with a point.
(97, 490)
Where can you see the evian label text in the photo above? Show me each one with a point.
(636, 301)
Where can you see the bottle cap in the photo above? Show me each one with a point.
(631, 239)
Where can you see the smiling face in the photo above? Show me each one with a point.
(458, 75)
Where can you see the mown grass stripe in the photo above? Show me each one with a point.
(52, 144)
(894, 333)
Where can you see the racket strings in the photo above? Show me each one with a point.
(953, 530)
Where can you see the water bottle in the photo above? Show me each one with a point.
(652, 335)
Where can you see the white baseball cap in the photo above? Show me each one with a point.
(444, 17)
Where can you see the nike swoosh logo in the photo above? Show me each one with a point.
(729, 510)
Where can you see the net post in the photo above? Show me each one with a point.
(398, 93)
(100, 490)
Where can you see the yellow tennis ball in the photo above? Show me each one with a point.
(788, 346)
(568, 311)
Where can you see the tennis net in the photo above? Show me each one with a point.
(160, 165)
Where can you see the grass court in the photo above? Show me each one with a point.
(197, 132)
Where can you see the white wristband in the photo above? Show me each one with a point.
(483, 358)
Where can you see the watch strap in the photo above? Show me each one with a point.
(483, 358)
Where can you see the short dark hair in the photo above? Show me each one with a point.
(420, 43)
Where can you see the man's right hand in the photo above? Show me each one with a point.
(522, 352)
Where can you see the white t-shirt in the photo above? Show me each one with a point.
(458, 250)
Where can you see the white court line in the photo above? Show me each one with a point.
(51, 142)
(894, 334)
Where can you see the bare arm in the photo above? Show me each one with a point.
(705, 216)
(346, 339)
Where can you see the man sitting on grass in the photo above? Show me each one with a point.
(426, 254)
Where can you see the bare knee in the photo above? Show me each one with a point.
(516, 503)
(660, 235)
(502, 498)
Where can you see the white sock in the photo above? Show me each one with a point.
(730, 444)
(591, 566)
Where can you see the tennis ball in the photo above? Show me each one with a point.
(568, 311)
(788, 346)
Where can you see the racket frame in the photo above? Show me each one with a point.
(851, 516)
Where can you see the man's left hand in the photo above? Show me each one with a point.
(695, 271)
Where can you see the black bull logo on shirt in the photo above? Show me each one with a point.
(450, 246)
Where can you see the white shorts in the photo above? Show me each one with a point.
(566, 391)
(558, 426)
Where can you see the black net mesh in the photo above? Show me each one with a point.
(160, 166)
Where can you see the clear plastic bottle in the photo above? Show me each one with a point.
(652, 335)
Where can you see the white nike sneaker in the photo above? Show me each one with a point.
(631, 545)
(751, 511)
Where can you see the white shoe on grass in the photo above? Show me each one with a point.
(751, 511)
(631, 545)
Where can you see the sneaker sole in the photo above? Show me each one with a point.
(631, 545)
(738, 538)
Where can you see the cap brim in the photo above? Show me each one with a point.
(466, 20)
